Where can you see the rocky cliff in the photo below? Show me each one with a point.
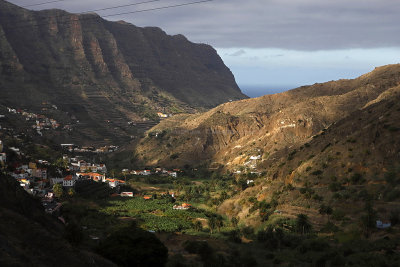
(105, 71)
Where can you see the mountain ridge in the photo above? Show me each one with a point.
(232, 132)
(105, 71)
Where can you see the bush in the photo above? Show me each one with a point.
(357, 179)
(197, 247)
(317, 172)
(335, 186)
(234, 236)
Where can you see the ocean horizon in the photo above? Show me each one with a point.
(253, 91)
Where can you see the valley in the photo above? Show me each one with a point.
(125, 146)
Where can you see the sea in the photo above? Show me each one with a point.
(260, 90)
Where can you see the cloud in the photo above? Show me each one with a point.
(238, 53)
(287, 24)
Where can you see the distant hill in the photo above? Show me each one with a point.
(105, 73)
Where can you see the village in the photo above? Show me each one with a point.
(40, 179)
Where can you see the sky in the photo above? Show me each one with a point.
(271, 45)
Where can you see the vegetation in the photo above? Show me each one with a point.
(131, 246)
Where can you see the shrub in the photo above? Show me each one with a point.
(335, 186)
(357, 179)
(317, 172)
(198, 247)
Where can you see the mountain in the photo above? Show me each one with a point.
(105, 73)
(333, 145)
(353, 161)
(265, 127)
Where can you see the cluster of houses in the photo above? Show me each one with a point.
(3, 156)
(41, 121)
(78, 165)
(70, 180)
(158, 171)
(89, 149)
(32, 178)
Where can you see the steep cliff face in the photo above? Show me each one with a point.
(105, 71)
(267, 126)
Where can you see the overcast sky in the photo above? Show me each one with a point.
(272, 45)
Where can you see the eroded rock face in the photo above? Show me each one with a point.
(109, 70)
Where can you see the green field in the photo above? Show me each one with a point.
(154, 214)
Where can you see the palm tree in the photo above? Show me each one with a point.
(212, 223)
(302, 224)
(220, 223)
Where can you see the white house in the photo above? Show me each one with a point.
(68, 181)
(144, 172)
(173, 174)
(383, 225)
(114, 182)
(255, 157)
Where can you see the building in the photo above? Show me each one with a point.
(162, 115)
(383, 225)
(3, 157)
(184, 206)
(93, 176)
(39, 173)
(114, 182)
(173, 174)
(126, 194)
(69, 181)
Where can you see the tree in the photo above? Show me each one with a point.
(234, 221)
(71, 192)
(212, 223)
(302, 224)
(197, 226)
(58, 190)
(368, 219)
(325, 210)
(219, 223)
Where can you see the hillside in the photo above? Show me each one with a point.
(105, 74)
(28, 236)
(263, 128)
(353, 161)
